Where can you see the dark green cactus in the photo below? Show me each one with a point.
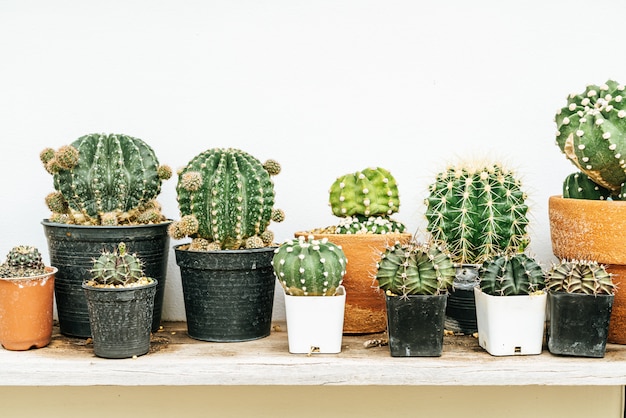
(22, 261)
(580, 276)
(414, 269)
(511, 274)
(477, 212)
(117, 268)
(580, 186)
(591, 132)
(309, 267)
(226, 199)
(369, 192)
(99, 177)
(359, 224)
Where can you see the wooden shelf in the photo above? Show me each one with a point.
(175, 359)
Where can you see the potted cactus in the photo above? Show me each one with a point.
(120, 300)
(591, 132)
(105, 191)
(26, 299)
(226, 199)
(477, 211)
(580, 299)
(364, 201)
(311, 272)
(416, 279)
(511, 305)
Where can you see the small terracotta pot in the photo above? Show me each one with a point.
(592, 230)
(26, 311)
(365, 310)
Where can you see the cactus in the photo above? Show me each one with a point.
(309, 267)
(359, 224)
(477, 212)
(115, 177)
(511, 274)
(22, 261)
(415, 269)
(591, 132)
(226, 196)
(117, 269)
(580, 186)
(580, 276)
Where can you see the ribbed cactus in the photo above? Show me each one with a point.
(105, 180)
(580, 276)
(22, 261)
(309, 267)
(414, 269)
(359, 224)
(477, 212)
(591, 132)
(117, 268)
(511, 274)
(580, 186)
(226, 199)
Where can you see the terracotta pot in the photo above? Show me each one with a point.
(365, 311)
(591, 230)
(26, 311)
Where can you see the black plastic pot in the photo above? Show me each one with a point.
(72, 250)
(461, 309)
(415, 325)
(579, 324)
(120, 319)
(229, 295)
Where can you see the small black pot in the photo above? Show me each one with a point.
(415, 325)
(229, 294)
(579, 324)
(120, 319)
(461, 308)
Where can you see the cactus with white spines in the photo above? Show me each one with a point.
(117, 268)
(22, 261)
(580, 276)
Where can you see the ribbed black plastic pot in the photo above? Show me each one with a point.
(461, 309)
(415, 325)
(579, 324)
(72, 250)
(229, 295)
(120, 319)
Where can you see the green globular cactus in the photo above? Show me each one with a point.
(22, 261)
(112, 176)
(511, 274)
(477, 212)
(415, 269)
(360, 224)
(226, 196)
(309, 267)
(580, 276)
(117, 269)
(580, 186)
(370, 192)
(591, 132)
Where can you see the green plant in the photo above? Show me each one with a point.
(117, 269)
(477, 212)
(226, 199)
(22, 261)
(415, 269)
(309, 267)
(580, 276)
(591, 132)
(105, 180)
(511, 274)
(579, 186)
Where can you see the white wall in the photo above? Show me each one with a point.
(325, 87)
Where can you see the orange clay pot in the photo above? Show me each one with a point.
(26, 311)
(594, 230)
(365, 310)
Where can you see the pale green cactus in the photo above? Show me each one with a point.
(580, 276)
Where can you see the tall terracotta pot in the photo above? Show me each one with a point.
(594, 230)
(365, 310)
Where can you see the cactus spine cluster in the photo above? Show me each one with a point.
(309, 267)
(226, 199)
(415, 269)
(477, 212)
(118, 269)
(591, 132)
(511, 274)
(105, 180)
(580, 276)
(22, 261)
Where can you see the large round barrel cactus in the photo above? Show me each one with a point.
(309, 267)
(477, 212)
(226, 199)
(591, 132)
(511, 274)
(105, 179)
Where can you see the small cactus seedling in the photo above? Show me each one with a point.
(511, 274)
(580, 276)
(580, 186)
(309, 267)
(118, 269)
(22, 261)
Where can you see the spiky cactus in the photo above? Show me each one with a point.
(580, 276)
(591, 132)
(511, 274)
(22, 261)
(477, 212)
(105, 180)
(309, 267)
(580, 186)
(415, 269)
(226, 199)
(117, 268)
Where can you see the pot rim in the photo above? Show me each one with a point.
(47, 222)
(240, 251)
(84, 285)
